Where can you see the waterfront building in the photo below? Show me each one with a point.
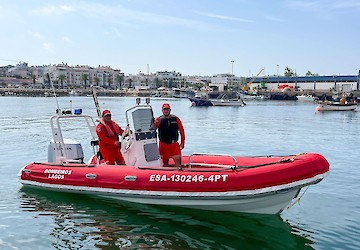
(342, 83)
(197, 82)
(20, 70)
(5, 69)
(222, 82)
(139, 81)
(171, 79)
(82, 76)
(63, 76)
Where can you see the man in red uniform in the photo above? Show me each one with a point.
(108, 133)
(169, 127)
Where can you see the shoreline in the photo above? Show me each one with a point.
(142, 93)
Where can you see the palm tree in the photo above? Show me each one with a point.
(158, 82)
(110, 81)
(84, 78)
(62, 78)
(289, 72)
(129, 81)
(48, 80)
(33, 77)
(97, 80)
(120, 79)
(171, 83)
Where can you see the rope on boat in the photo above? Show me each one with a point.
(65, 164)
(265, 164)
(222, 167)
(161, 168)
(297, 199)
(270, 156)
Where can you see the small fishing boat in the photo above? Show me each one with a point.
(335, 106)
(306, 98)
(228, 102)
(200, 101)
(222, 100)
(225, 100)
(265, 184)
(252, 95)
(182, 93)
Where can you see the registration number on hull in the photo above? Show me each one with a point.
(188, 178)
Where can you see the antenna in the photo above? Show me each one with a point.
(57, 103)
(93, 91)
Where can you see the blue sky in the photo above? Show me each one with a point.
(190, 36)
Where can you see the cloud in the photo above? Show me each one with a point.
(35, 34)
(66, 39)
(126, 17)
(114, 31)
(303, 4)
(118, 15)
(49, 47)
(324, 5)
(237, 19)
(67, 8)
(345, 5)
(275, 19)
(53, 10)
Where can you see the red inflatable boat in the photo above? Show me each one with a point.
(205, 181)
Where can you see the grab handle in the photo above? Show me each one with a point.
(212, 165)
(90, 176)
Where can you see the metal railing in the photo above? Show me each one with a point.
(200, 164)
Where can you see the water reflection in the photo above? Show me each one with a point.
(340, 116)
(89, 221)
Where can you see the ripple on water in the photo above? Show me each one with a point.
(326, 217)
(90, 220)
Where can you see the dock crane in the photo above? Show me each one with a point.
(247, 86)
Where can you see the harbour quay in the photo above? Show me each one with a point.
(272, 95)
(312, 84)
(61, 92)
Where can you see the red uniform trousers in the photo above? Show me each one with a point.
(112, 155)
(167, 151)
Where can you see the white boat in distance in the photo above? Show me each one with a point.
(245, 95)
(306, 97)
(228, 102)
(182, 93)
(335, 106)
(224, 100)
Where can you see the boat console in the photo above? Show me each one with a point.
(139, 141)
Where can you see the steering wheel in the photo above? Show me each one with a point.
(126, 139)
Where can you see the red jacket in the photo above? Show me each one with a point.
(108, 133)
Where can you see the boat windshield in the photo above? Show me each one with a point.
(143, 120)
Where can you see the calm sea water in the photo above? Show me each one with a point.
(327, 217)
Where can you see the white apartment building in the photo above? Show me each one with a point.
(222, 82)
(83, 76)
(171, 78)
(20, 69)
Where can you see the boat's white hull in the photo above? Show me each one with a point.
(270, 200)
(336, 107)
(227, 102)
(253, 97)
(271, 203)
(304, 98)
